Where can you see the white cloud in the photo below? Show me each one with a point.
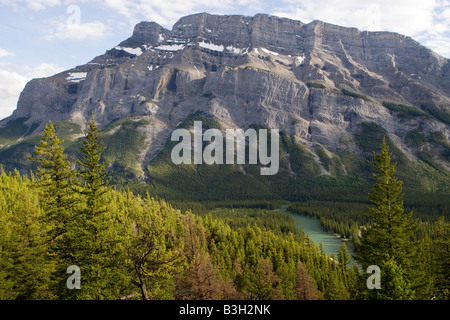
(11, 84)
(14, 78)
(65, 27)
(426, 21)
(61, 30)
(438, 44)
(403, 16)
(4, 53)
(166, 12)
(42, 70)
(36, 5)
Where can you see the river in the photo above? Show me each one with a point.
(312, 228)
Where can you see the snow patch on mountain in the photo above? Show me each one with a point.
(170, 47)
(76, 77)
(135, 51)
(269, 52)
(211, 46)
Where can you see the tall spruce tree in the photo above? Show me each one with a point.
(387, 237)
(56, 198)
(343, 257)
(92, 234)
(441, 259)
(92, 171)
(54, 181)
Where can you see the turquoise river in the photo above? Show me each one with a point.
(312, 228)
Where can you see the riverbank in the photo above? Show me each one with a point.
(331, 243)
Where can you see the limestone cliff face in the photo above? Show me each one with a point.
(315, 81)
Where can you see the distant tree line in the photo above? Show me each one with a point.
(130, 246)
(133, 247)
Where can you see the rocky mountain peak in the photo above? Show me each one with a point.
(145, 33)
(317, 82)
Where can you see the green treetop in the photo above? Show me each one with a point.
(387, 237)
(92, 170)
(55, 179)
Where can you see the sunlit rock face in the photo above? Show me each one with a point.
(317, 82)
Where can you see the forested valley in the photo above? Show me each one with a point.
(135, 246)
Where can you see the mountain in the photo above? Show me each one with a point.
(333, 92)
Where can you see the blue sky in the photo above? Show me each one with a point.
(39, 38)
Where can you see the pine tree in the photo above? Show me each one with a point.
(200, 281)
(93, 237)
(304, 285)
(394, 286)
(26, 265)
(343, 257)
(92, 171)
(54, 183)
(441, 258)
(55, 188)
(154, 252)
(387, 237)
(262, 281)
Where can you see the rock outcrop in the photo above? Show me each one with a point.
(315, 81)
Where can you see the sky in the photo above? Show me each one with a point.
(39, 38)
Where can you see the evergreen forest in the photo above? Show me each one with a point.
(133, 245)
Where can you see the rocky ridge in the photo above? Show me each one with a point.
(317, 82)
